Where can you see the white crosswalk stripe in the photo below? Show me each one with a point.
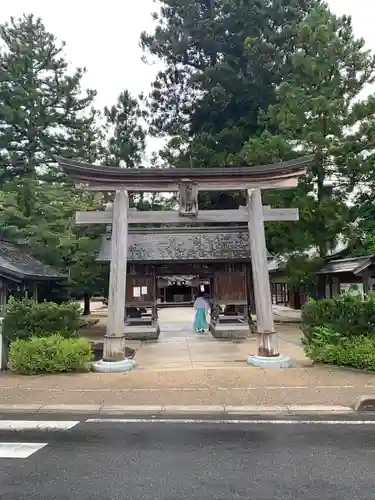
(37, 425)
(26, 449)
(19, 450)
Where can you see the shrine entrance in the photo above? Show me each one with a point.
(178, 284)
(181, 290)
(228, 245)
(175, 290)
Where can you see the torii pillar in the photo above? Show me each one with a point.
(114, 359)
(268, 351)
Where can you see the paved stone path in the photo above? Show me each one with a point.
(179, 347)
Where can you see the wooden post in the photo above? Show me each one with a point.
(35, 293)
(114, 340)
(3, 296)
(155, 296)
(366, 281)
(267, 338)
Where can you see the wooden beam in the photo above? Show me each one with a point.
(173, 216)
(273, 176)
(280, 214)
(232, 184)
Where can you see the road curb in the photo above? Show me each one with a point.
(365, 404)
(177, 410)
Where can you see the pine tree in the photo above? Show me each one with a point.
(211, 92)
(44, 112)
(41, 103)
(126, 124)
(319, 112)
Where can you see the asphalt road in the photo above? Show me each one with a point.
(205, 461)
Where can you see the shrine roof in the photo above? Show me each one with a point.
(17, 264)
(184, 244)
(353, 265)
(97, 177)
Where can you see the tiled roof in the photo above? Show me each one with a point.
(200, 244)
(352, 265)
(14, 262)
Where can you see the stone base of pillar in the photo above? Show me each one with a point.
(124, 365)
(114, 348)
(114, 359)
(270, 361)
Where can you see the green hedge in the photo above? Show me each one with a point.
(327, 346)
(53, 354)
(349, 315)
(26, 318)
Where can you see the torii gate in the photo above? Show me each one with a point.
(187, 182)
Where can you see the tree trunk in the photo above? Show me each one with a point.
(86, 304)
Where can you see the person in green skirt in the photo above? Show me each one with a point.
(201, 308)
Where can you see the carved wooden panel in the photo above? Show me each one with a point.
(230, 287)
(186, 245)
(140, 289)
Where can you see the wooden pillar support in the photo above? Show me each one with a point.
(35, 292)
(365, 281)
(267, 338)
(114, 340)
(3, 296)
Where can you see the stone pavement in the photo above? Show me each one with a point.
(184, 368)
(180, 348)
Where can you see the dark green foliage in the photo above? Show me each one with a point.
(41, 102)
(348, 315)
(259, 82)
(53, 354)
(327, 346)
(318, 110)
(301, 271)
(210, 94)
(341, 331)
(25, 318)
(45, 112)
(127, 144)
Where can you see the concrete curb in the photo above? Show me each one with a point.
(365, 404)
(201, 410)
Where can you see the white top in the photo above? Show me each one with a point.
(201, 303)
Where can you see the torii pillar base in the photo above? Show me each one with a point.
(270, 361)
(125, 365)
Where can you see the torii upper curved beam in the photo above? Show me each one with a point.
(98, 178)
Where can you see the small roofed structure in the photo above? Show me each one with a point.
(21, 274)
(340, 275)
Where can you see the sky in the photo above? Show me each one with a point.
(104, 37)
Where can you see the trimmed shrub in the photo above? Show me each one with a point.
(26, 318)
(52, 354)
(349, 315)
